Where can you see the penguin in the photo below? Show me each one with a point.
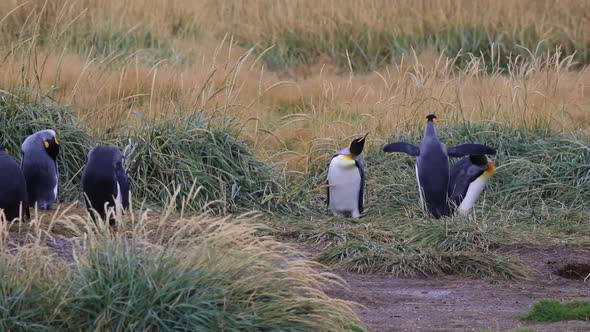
(105, 182)
(346, 180)
(432, 165)
(468, 178)
(39, 165)
(13, 191)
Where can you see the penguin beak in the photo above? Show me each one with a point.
(362, 138)
(491, 168)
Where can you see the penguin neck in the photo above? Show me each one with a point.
(430, 130)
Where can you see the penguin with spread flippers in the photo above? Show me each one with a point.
(468, 178)
(105, 183)
(346, 180)
(13, 188)
(432, 165)
(39, 165)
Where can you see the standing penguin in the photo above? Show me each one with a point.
(39, 166)
(346, 180)
(432, 165)
(469, 177)
(13, 191)
(104, 182)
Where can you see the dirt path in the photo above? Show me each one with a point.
(457, 304)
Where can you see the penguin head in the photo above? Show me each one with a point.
(431, 118)
(51, 145)
(3, 148)
(357, 145)
(42, 140)
(430, 126)
(483, 160)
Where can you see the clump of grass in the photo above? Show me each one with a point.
(410, 260)
(23, 113)
(163, 273)
(554, 311)
(191, 153)
(29, 296)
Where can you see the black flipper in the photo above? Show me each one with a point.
(360, 164)
(467, 149)
(410, 149)
(328, 193)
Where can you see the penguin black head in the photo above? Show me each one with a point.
(357, 145)
(3, 148)
(51, 145)
(478, 159)
(431, 118)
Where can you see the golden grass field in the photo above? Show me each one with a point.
(291, 113)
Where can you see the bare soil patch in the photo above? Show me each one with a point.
(452, 303)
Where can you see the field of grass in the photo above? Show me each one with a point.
(226, 107)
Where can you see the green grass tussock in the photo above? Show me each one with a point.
(209, 166)
(554, 311)
(157, 274)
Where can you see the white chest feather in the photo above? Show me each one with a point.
(473, 192)
(56, 187)
(344, 181)
(118, 200)
(420, 191)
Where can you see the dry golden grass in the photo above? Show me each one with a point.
(298, 113)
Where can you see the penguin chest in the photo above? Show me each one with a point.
(344, 181)
(473, 192)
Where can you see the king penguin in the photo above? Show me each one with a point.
(432, 165)
(13, 192)
(346, 180)
(469, 177)
(104, 182)
(39, 165)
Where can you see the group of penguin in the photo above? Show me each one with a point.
(105, 184)
(442, 189)
(35, 182)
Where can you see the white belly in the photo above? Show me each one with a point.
(473, 192)
(344, 180)
(420, 191)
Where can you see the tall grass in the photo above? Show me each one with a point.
(119, 64)
(162, 273)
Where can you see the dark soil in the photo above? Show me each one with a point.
(453, 303)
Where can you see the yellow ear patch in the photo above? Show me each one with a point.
(46, 144)
(435, 120)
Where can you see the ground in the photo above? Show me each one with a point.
(451, 303)
(441, 303)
